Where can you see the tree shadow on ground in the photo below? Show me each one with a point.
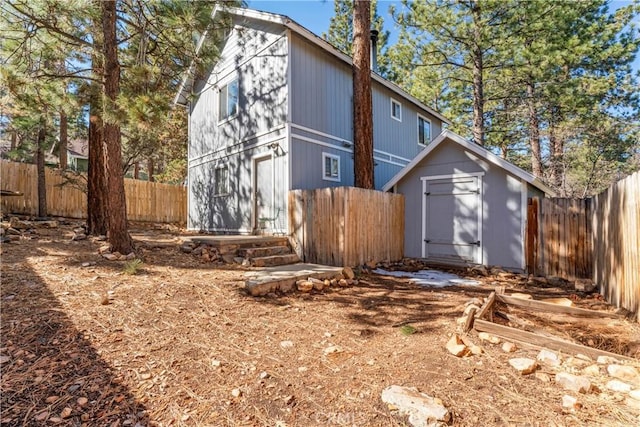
(50, 371)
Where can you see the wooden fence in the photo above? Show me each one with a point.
(616, 243)
(146, 201)
(346, 226)
(559, 237)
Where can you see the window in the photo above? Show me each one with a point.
(221, 178)
(330, 167)
(396, 110)
(424, 130)
(228, 100)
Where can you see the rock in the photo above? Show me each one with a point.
(101, 238)
(480, 270)
(607, 360)
(317, 284)
(570, 402)
(523, 365)
(576, 362)
(422, 409)
(82, 401)
(475, 301)
(549, 358)
(476, 350)
(16, 224)
(110, 257)
(238, 260)
(584, 285)
(302, 369)
(348, 273)
(246, 263)
(545, 378)
(77, 237)
(625, 373)
(509, 347)
(619, 386)
(117, 254)
(129, 256)
(304, 285)
(371, 265)
(42, 416)
(635, 394)
(573, 382)
(197, 251)
(343, 283)
(456, 346)
(4, 359)
(286, 344)
(331, 350)
(228, 258)
(104, 249)
(632, 403)
(591, 370)
(13, 232)
(264, 375)
(51, 399)
(484, 336)
(105, 299)
(286, 286)
(66, 413)
(215, 363)
(236, 392)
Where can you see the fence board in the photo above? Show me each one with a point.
(146, 201)
(346, 225)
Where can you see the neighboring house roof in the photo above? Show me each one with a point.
(289, 23)
(447, 135)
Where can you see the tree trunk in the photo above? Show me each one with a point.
(362, 103)
(534, 130)
(14, 140)
(478, 83)
(151, 169)
(64, 140)
(42, 189)
(97, 219)
(118, 234)
(557, 151)
(136, 170)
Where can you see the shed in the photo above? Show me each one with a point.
(465, 205)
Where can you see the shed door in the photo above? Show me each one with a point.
(263, 190)
(452, 215)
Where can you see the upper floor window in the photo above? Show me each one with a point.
(424, 130)
(396, 110)
(221, 181)
(330, 167)
(228, 100)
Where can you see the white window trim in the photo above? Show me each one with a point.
(215, 183)
(428, 140)
(391, 112)
(222, 85)
(334, 157)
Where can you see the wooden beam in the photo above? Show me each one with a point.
(468, 325)
(486, 306)
(554, 308)
(537, 340)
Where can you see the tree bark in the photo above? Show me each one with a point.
(557, 151)
(534, 130)
(362, 103)
(97, 219)
(116, 202)
(14, 140)
(136, 170)
(64, 140)
(42, 189)
(151, 169)
(478, 83)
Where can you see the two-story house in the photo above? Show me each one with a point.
(274, 114)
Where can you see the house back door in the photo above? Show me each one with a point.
(452, 215)
(263, 190)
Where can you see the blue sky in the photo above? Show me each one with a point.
(315, 14)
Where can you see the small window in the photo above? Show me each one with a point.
(221, 183)
(424, 130)
(330, 167)
(228, 100)
(396, 110)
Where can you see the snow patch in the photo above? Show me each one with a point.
(432, 278)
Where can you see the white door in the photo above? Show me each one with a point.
(263, 190)
(452, 218)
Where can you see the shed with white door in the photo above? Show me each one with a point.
(465, 205)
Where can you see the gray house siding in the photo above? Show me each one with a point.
(322, 113)
(502, 199)
(257, 57)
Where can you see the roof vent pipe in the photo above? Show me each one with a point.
(374, 50)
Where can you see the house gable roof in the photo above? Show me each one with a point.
(181, 97)
(447, 135)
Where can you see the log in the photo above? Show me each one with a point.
(486, 306)
(554, 308)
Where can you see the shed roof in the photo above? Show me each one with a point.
(187, 81)
(448, 135)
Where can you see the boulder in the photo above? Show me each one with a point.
(573, 382)
(456, 347)
(523, 365)
(422, 409)
(304, 285)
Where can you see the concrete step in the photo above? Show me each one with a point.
(283, 279)
(268, 261)
(263, 252)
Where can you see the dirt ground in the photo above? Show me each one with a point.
(180, 343)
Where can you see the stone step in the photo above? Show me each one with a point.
(263, 252)
(267, 261)
(283, 279)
